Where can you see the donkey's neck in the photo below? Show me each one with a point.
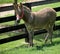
(27, 16)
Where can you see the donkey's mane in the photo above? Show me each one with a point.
(26, 8)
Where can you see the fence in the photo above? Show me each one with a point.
(11, 18)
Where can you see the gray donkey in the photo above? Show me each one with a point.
(42, 19)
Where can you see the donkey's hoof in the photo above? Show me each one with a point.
(31, 45)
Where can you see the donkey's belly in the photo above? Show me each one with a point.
(39, 26)
(40, 23)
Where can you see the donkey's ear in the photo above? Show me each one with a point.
(15, 5)
(21, 4)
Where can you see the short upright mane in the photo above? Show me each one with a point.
(26, 8)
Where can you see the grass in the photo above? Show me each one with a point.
(53, 5)
(19, 47)
(9, 1)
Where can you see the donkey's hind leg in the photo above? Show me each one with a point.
(46, 38)
(49, 34)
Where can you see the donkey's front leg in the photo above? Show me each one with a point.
(46, 38)
(17, 22)
(49, 35)
(31, 34)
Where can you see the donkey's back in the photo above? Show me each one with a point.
(44, 17)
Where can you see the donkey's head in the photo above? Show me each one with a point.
(19, 10)
(22, 11)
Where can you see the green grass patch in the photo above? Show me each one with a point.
(9, 1)
(57, 22)
(58, 13)
(18, 47)
(53, 5)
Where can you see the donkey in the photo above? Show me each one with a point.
(42, 19)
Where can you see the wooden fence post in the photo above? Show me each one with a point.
(15, 1)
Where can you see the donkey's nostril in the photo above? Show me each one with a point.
(17, 17)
